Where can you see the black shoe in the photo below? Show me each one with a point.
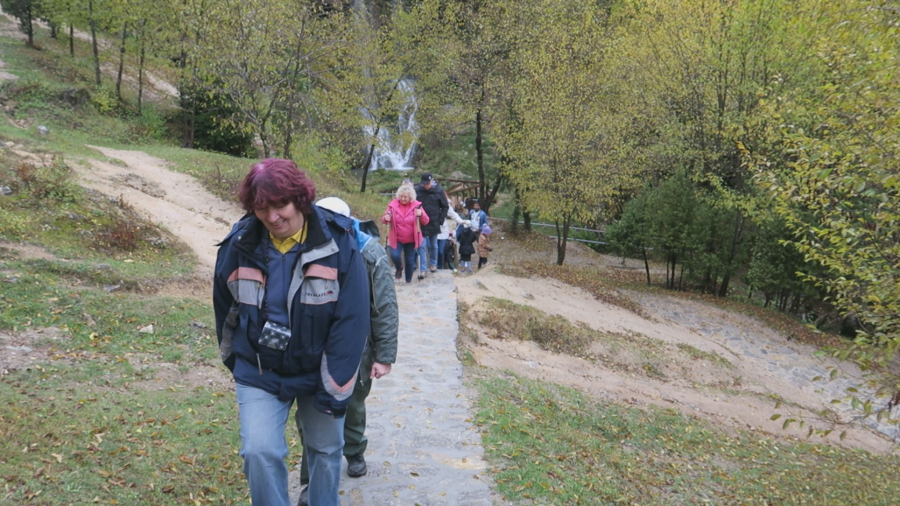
(421, 275)
(398, 274)
(304, 496)
(356, 466)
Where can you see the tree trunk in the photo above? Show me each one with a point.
(489, 199)
(121, 62)
(479, 155)
(362, 187)
(187, 101)
(723, 288)
(669, 277)
(54, 30)
(561, 237)
(646, 265)
(526, 217)
(289, 130)
(72, 40)
(141, 72)
(264, 138)
(514, 222)
(93, 25)
(369, 156)
(29, 26)
(735, 240)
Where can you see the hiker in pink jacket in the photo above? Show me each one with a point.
(405, 217)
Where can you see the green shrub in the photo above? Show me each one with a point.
(104, 100)
(12, 226)
(30, 94)
(150, 125)
(53, 182)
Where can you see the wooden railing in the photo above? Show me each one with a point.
(598, 232)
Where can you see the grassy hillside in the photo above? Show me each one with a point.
(96, 407)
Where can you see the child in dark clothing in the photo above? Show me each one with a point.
(466, 240)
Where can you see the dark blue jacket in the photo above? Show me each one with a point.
(465, 237)
(329, 312)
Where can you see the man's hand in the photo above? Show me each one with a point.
(379, 370)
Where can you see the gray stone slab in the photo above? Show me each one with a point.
(422, 447)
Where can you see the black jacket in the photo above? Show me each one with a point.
(466, 237)
(435, 204)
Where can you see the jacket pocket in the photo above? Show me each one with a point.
(314, 328)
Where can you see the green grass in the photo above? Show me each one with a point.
(552, 445)
(102, 322)
(76, 433)
(508, 320)
(90, 422)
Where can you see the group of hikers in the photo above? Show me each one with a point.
(421, 236)
(306, 313)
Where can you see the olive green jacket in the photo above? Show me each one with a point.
(381, 345)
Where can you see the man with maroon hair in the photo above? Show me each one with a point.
(291, 300)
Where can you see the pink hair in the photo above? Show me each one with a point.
(275, 182)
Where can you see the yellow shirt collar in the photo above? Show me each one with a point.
(285, 245)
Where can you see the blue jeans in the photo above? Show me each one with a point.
(429, 243)
(409, 253)
(263, 418)
(441, 247)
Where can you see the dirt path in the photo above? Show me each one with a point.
(174, 201)
(687, 355)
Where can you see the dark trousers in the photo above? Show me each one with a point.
(409, 253)
(482, 261)
(355, 441)
(442, 247)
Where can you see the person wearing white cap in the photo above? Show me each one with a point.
(381, 345)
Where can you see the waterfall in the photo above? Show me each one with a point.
(396, 144)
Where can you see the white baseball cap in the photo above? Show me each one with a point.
(334, 205)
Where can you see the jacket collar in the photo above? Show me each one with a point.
(252, 235)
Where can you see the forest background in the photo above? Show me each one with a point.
(749, 143)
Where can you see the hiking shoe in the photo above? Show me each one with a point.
(304, 497)
(356, 466)
(432, 269)
(399, 273)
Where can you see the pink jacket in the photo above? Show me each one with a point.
(403, 223)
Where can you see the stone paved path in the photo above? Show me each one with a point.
(423, 448)
(799, 368)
